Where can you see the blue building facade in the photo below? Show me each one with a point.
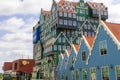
(97, 57)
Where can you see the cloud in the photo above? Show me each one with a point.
(17, 40)
(11, 7)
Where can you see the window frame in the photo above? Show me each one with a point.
(82, 56)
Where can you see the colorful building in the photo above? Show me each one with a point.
(20, 69)
(98, 57)
(60, 27)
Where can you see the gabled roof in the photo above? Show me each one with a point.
(115, 29)
(68, 52)
(76, 48)
(94, 5)
(65, 8)
(62, 55)
(46, 13)
(89, 40)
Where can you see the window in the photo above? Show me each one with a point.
(73, 75)
(105, 73)
(83, 56)
(85, 33)
(64, 47)
(84, 74)
(80, 18)
(82, 11)
(74, 23)
(94, 11)
(55, 47)
(85, 26)
(93, 73)
(63, 40)
(105, 13)
(68, 47)
(74, 15)
(59, 39)
(93, 34)
(60, 21)
(60, 14)
(118, 72)
(59, 47)
(65, 14)
(77, 75)
(69, 14)
(65, 22)
(103, 47)
(70, 23)
(89, 33)
(89, 27)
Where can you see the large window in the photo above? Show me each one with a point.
(74, 23)
(65, 14)
(69, 14)
(65, 22)
(74, 15)
(105, 73)
(55, 47)
(60, 21)
(70, 22)
(93, 73)
(118, 72)
(60, 13)
(83, 56)
(103, 47)
(77, 75)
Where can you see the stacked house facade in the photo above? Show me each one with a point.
(97, 57)
(61, 27)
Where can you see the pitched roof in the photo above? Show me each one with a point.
(115, 29)
(76, 47)
(62, 55)
(90, 40)
(68, 52)
(46, 13)
(94, 5)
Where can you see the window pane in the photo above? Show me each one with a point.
(83, 56)
(105, 73)
(65, 22)
(93, 73)
(65, 14)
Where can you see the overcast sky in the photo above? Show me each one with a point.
(17, 18)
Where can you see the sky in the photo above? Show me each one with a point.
(17, 18)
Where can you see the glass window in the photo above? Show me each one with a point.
(84, 74)
(93, 73)
(89, 33)
(83, 56)
(103, 47)
(93, 34)
(59, 39)
(73, 75)
(60, 21)
(89, 27)
(70, 22)
(55, 47)
(85, 26)
(64, 47)
(118, 72)
(60, 13)
(85, 33)
(65, 14)
(74, 23)
(63, 40)
(105, 13)
(65, 22)
(77, 75)
(105, 73)
(69, 15)
(68, 47)
(94, 11)
(74, 15)
(80, 18)
(59, 47)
